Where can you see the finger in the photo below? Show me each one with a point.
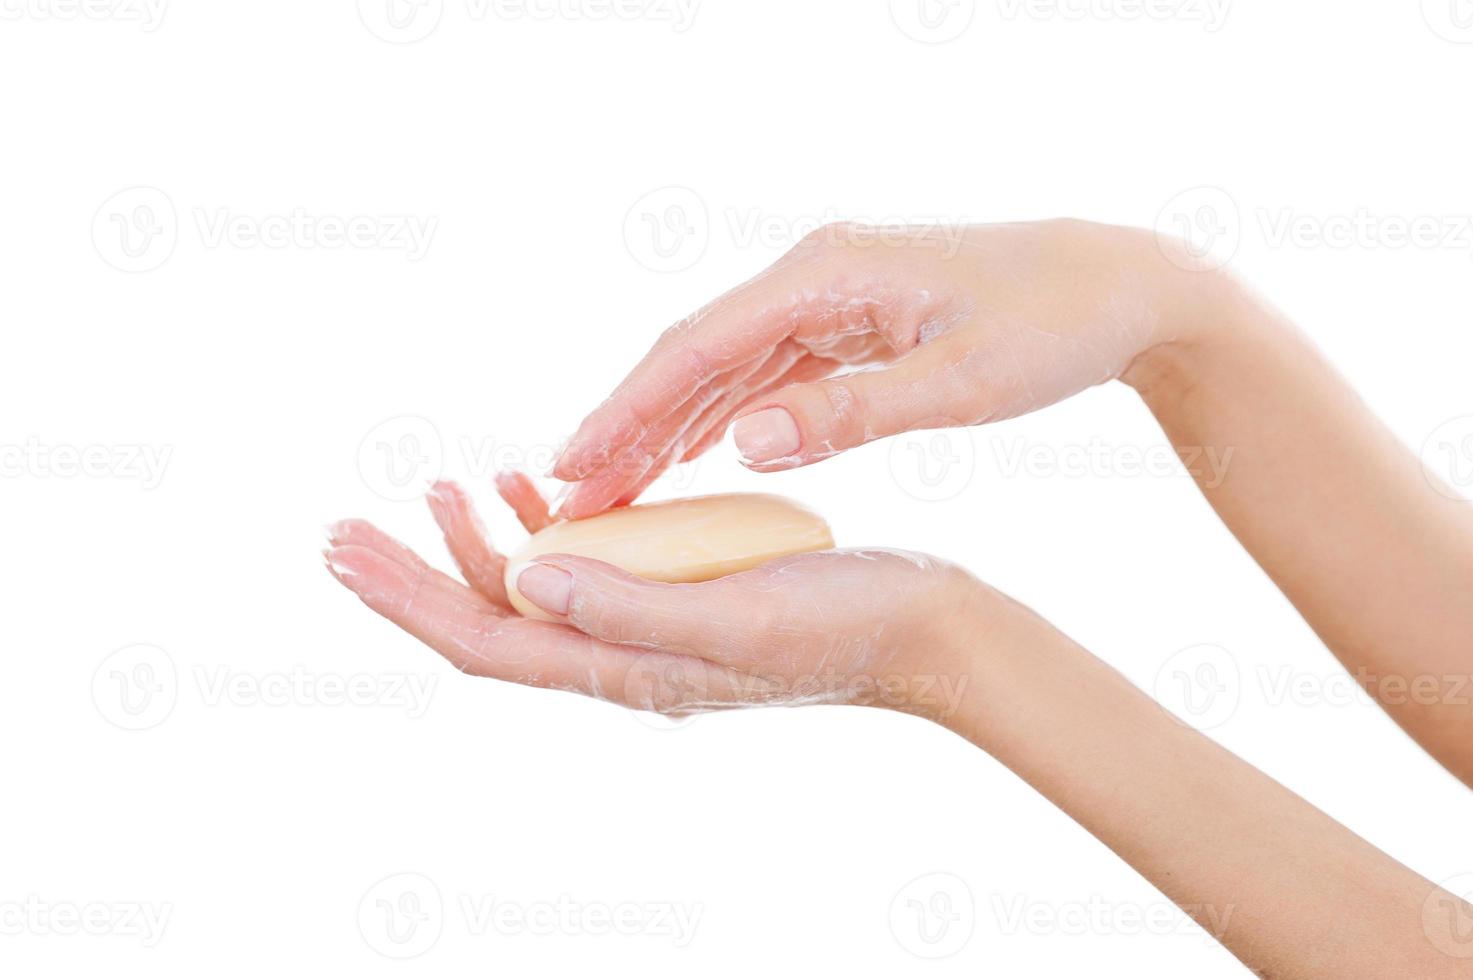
(468, 632)
(524, 499)
(808, 368)
(709, 620)
(801, 424)
(413, 597)
(778, 366)
(465, 537)
(649, 455)
(363, 534)
(774, 366)
(746, 323)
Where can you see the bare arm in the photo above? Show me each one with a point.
(1335, 509)
(1288, 890)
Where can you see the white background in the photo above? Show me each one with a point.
(261, 823)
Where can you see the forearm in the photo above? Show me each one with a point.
(1333, 507)
(1288, 890)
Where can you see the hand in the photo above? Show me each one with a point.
(970, 325)
(854, 627)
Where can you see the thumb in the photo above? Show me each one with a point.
(803, 423)
(705, 620)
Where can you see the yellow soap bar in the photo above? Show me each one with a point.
(692, 540)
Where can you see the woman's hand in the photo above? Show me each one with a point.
(1258, 867)
(967, 325)
(841, 627)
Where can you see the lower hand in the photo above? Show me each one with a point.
(863, 627)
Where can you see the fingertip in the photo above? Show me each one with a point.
(546, 586)
(348, 531)
(438, 498)
(571, 502)
(332, 533)
(578, 459)
(355, 566)
(766, 436)
(442, 490)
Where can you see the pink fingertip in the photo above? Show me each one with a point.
(348, 563)
(549, 588)
(376, 580)
(766, 436)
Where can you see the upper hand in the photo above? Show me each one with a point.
(968, 325)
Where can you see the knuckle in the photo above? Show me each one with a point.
(845, 409)
(831, 235)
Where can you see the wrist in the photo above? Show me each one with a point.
(1214, 326)
(981, 643)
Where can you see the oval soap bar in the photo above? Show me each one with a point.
(692, 540)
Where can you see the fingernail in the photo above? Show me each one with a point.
(766, 435)
(547, 587)
(340, 562)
